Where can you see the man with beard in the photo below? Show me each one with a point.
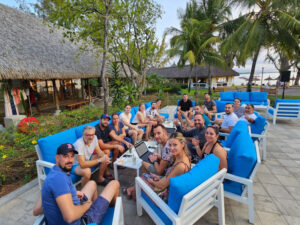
(104, 140)
(62, 204)
(228, 122)
(90, 155)
(153, 115)
(195, 136)
(198, 110)
(159, 160)
(211, 107)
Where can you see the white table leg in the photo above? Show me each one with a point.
(116, 171)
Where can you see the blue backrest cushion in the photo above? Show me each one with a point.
(48, 145)
(147, 105)
(259, 125)
(133, 112)
(220, 105)
(241, 160)
(79, 129)
(183, 184)
(227, 96)
(258, 96)
(240, 126)
(244, 96)
(119, 113)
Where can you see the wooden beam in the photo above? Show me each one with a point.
(55, 94)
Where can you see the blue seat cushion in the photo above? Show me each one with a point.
(166, 115)
(259, 125)
(108, 217)
(240, 126)
(183, 184)
(147, 105)
(227, 96)
(271, 111)
(241, 161)
(48, 145)
(133, 112)
(79, 129)
(221, 105)
(244, 96)
(259, 97)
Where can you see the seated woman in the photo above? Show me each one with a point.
(181, 164)
(131, 130)
(212, 146)
(237, 108)
(141, 120)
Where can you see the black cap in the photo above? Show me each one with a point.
(105, 116)
(65, 148)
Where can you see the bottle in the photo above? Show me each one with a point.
(130, 150)
(133, 159)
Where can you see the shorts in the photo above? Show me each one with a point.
(97, 211)
(151, 169)
(74, 168)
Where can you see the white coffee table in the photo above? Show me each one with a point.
(128, 162)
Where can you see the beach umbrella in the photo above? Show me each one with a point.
(293, 78)
(269, 78)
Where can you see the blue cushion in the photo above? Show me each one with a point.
(119, 113)
(271, 111)
(147, 105)
(166, 115)
(79, 129)
(48, 145)
(244, 96)
(133, 112)
(227, 96)
(108, 217)
(258, 96)
(241, 161)
(221, 105)
(259, 125)
(183, 184)
(240, 126)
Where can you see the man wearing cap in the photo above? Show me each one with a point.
(62, 204)
(90, 155)
(104, 140)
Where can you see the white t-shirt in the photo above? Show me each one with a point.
(229, 120)
(252, 116)
(85, 150)
(151, 112)
(125, 118)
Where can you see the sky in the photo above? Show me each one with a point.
(170, 19)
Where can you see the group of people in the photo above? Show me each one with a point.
(62, 204)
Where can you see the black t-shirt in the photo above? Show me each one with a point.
(185, 106)
(102, 134)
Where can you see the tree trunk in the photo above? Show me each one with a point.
(196, 77)
(249, 85)
(105, 47)
(209, 80)
(297, 77)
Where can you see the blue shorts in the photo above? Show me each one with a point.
(97, 211)
(74, 168)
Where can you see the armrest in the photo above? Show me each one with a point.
(43, 163)
(118, 218)
(157, 200)
(224, 134)
(241, 180)
(218, 115)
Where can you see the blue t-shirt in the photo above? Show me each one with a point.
(111, 127)
(206, 120)
(56, 184)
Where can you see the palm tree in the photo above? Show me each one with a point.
(197, 40)
(265, 25)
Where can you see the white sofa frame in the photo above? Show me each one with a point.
(247, 196)
(280, 111)
(193, 206)
(118, 218)
(41, 165)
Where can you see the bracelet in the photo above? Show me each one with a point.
(99, 160)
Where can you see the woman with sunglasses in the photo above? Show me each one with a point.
(212, 146)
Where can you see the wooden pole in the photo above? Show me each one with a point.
(89, 90)
(55, 94)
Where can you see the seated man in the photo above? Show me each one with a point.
(153, 115)
(195, 136)
(105, 142)
(62, 204)
(228, 122)
(117, 132)
(198, 110)
(161, 159)
(131, 130)
(158, 105)
(90, 155)
(210, 105)
(249, 115)
(185, 107)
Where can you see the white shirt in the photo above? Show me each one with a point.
(229, 120)
(125, 118)
(252, 116)
(84, 149)
(151, 112)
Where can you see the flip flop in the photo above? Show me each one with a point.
(103, 183)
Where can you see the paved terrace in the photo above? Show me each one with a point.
(276, 188)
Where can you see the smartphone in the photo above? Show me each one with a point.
(127, 156)
(146, 175)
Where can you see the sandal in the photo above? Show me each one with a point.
(125, 192)
(103, 183)
(109, 177)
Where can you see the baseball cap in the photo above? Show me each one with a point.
(105, 116)
(65, 148)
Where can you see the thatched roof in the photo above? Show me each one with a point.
(28, 50)
(185, 72)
